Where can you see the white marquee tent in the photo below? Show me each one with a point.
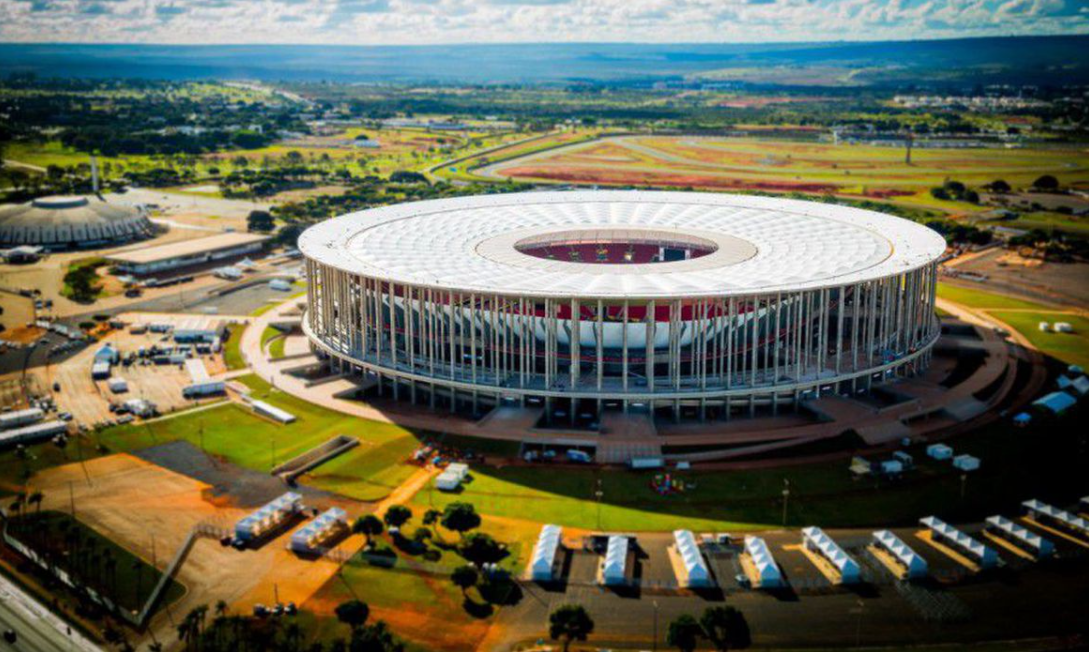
(769, 574)
(985, 555)
(544, 553)
(695, 568)
(614, 569)
(815, 539)
(916, 566)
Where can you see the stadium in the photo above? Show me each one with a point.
(58, 223)
(676, 303)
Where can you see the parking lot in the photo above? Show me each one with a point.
(88, 400)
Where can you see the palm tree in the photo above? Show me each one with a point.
(35, 499)
(570, 622)
(353, 613)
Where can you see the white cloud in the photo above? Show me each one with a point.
(504, 21)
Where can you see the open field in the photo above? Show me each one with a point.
(1025, 316)
(824, 493)
(781, 166)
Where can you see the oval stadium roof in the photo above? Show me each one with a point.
(761, 244)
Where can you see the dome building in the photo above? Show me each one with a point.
(71, 222)
(594, 300)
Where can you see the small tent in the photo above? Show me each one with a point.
(614, 568)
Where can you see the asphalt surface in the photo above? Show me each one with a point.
(36, 627)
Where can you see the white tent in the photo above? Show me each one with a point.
(966, 462)
(985, 555)
(695, 569)
(1045, 512)
(544, 553)
(447, 481)
(767, 570)
(1081, 385)
(1024, 538)
(1057, 402)
(613, 570)
(815, 539)
(916, 566)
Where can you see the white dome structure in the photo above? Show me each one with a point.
(71, 222)
(648, 298)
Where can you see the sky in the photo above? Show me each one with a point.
(423, 22)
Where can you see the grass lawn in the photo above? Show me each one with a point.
(276, 349)
(15, 470)
(232, 351)
(983, 300)
(1071, 348)
(369, 471)
(239, 436)
(131, 581)
(1014, 468)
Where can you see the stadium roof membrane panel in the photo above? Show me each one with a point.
(761, 244)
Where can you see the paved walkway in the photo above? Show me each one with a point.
(763, 439)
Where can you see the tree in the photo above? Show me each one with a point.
(460, 518)
(569, 622)
(353, 613)
(397, 515)
(1046, 182)
(368, 526)
(431, 516)
(684, 633)
(376, 638)
(35, 499)
(1000, 186)
(465, 577)
(725, 627)
(260, 221)
(480, 548)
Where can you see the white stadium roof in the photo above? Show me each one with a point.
(762, 244)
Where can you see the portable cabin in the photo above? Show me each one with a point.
(966, 462)
(939, 451)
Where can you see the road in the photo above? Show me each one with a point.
(38, 628)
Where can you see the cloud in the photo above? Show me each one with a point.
(370, 22)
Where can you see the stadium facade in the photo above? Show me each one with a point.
(689, 303)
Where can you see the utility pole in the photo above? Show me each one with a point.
(598, 494)
(786, 497)
(72, 499)
(654, 643)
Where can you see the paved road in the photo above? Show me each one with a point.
(38, 628)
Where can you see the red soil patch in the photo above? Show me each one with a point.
(621, 177)
(886, 193)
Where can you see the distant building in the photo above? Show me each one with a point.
(71, 223)
(187, 253)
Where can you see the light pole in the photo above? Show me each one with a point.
(858, 628)
(786, 497)
(654, 642)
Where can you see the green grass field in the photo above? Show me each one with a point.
(236, 434)
(983, 300)
(232, 351)
(1072, 348)
(823, 493)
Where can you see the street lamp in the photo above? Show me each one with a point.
(786, 497)
(654, 643)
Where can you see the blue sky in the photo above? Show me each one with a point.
(374, 22)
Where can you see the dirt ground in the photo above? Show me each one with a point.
(150, 510)
(1063, 283)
